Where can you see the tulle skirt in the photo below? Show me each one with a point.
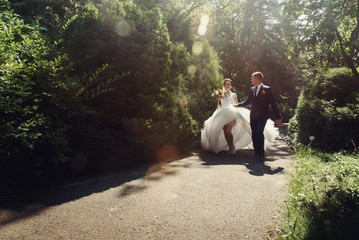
(212, 135)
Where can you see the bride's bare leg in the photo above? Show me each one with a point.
(227, 129)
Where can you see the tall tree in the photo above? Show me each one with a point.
(51, 14)
(248, 36)
(328, 30)
(144, 107)
(204, 70)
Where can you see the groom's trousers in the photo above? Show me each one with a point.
(257, 126)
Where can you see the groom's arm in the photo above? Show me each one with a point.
(246, 102)
(274, 104)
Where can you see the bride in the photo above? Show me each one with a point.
(228, 128)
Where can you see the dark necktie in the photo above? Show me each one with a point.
(255, 92)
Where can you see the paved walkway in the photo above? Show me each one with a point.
(202, 196)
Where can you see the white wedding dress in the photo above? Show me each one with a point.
(212, 135)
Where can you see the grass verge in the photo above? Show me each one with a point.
(323, 197)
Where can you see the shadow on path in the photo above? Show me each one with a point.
(40, 201)
(242, 157)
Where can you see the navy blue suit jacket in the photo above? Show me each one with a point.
(260, 104)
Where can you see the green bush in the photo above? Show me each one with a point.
(323, 200)
(35, 99)
(37, 104)
(328, 110)
(103, 87)
(142, 110)
(202, 82)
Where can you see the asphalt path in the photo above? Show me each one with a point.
(200, 196)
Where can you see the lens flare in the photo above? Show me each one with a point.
(192, 69)
(167, 153)
(205, 19)
(123, 29)
(202, 29)
(197, 48)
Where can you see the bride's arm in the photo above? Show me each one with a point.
(236, 100)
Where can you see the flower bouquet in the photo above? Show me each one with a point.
(218, 94)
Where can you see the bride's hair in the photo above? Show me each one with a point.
(227, 80)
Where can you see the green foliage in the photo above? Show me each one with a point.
(248, 36)
(323, 200)
(140, 106)
(328, 110)
(106, 83)
(35, 105)
(168, 124)
(338, 85)
(50, 14)
(205, 77)
(325, 33)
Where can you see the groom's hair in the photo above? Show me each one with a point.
(258, 75)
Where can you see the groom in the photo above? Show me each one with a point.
(260, 96)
